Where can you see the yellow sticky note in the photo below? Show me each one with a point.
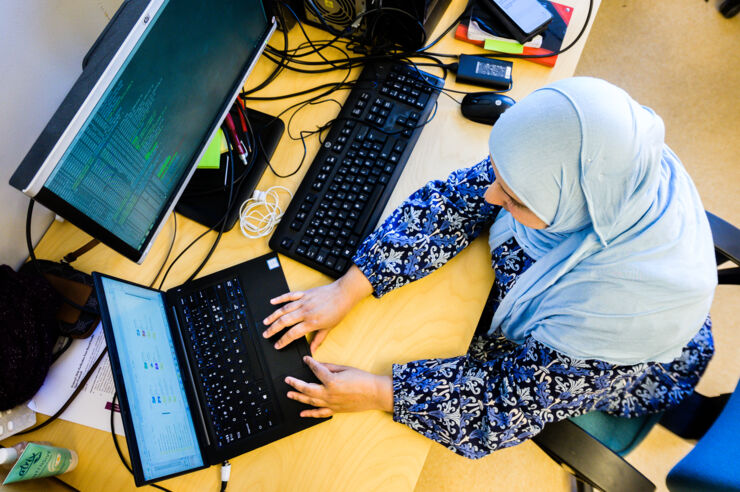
(504, 46)
(224, 143)
(212, 157)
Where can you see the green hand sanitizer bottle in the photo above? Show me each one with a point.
(35, 460)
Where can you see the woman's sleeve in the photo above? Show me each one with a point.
(475, 406)
(429, 228)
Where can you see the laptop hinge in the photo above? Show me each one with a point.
(201, 416)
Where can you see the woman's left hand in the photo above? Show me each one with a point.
(342, 389)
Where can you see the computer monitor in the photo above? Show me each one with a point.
(119, 151)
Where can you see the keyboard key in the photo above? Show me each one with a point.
(217, 322)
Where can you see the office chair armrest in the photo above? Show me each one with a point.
(726, 247)
(589, 460)
(726, 238)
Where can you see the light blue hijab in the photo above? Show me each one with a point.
(625, 272)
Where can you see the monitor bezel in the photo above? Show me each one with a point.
(36, 188)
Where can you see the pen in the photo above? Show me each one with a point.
(237, 143)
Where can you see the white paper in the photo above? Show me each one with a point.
(92, 406)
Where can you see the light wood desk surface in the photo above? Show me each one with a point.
(434, 317)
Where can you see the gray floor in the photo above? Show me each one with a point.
(681, 58)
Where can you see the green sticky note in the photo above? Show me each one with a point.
(504, 46)
(212, 157)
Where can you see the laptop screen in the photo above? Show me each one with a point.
(165, 434)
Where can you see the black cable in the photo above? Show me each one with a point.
(320, 127)
(393, 55)
(225, 474)
(169, 251)
(351, 84)
(118, 446)
(74, 394)
(229, 204)
(32, 254)
(338, 86)
(356, 60)
(444, 33)
(295, 52)
(213, 189)
(192, 243)
(387, 54)
(305, 34)
(221, 222)
(333, 85)
(279, 67)
(343, 84)
(355, 24)
(554, 53)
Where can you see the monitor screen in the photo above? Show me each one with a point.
(157, 404)
(132, 150)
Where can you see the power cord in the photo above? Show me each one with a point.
(74, 394)
(221, 224)
(118, 445)
(225, 473)
(259, 215)
(32, 254)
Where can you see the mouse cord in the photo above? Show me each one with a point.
(74, 394)
(118, 446)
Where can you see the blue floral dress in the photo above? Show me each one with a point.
(500, 393)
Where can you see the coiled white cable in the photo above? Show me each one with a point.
(262, 212)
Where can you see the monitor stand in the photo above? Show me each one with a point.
(205, 197)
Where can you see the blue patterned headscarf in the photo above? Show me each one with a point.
(625, 271)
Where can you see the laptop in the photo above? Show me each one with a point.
(197, 382)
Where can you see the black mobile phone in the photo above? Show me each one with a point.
(523, 18)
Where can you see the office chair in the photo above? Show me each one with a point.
(591, 447)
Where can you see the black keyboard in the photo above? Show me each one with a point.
(353, 174)
(237, 399)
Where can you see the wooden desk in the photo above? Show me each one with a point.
(434, 317)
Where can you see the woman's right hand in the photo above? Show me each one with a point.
(319, 309)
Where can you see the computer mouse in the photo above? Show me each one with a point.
(485, 107)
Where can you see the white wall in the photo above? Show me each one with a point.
(42, 43)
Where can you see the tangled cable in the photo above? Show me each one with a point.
(262, 212)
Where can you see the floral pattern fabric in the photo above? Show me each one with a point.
(430, 227)
(500, 393)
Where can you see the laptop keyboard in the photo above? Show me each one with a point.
(237, 397)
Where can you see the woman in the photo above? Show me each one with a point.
(604, 267)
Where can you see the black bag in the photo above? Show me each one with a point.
(33, 316)
(74, 285)
(28, 309)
